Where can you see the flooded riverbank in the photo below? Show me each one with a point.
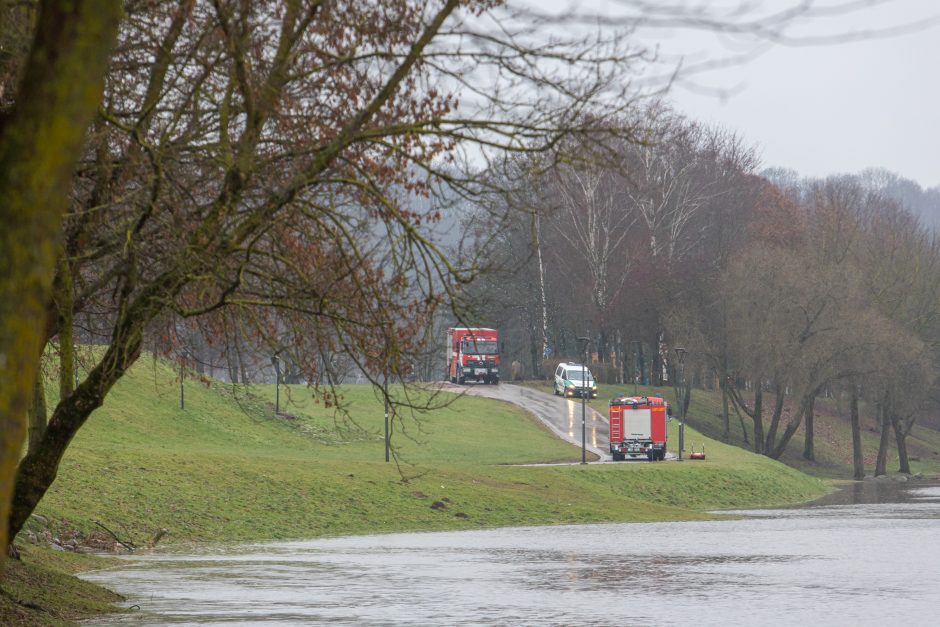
(865, 563)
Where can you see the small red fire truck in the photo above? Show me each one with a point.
(473, 355)
(637, 428)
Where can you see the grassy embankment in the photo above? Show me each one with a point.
(227, 469)
(832, 441)
(41, 589)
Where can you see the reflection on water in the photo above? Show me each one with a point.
(866, 492)
(864, 564)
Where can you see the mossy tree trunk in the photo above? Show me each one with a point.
(40, 140)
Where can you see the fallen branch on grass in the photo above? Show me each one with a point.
(127, 545)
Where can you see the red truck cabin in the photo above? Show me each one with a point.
(473, 355)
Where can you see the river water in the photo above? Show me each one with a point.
(869, 555)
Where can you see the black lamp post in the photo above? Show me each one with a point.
(586, 341)
(75, 363)
(636, 365)
(677, 384)
(275, 360)
(386, 416)
(182, 394)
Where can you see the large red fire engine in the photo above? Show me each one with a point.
(637, 428)
(473, 355)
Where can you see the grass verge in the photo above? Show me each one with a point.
(41, 589)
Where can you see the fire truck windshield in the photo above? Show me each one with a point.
(478, 347)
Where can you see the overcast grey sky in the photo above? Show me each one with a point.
(825, 109)
(818, 109)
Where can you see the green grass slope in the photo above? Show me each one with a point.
(226, 468)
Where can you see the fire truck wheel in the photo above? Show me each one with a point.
(649, 456)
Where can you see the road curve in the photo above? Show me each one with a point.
(561, 415)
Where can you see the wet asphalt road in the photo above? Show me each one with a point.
(561, 415)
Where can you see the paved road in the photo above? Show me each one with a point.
(562, 416)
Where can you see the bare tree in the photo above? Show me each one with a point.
(682, 182)
(266, 159)
(594, 220)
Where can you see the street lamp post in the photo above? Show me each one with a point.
(385, 386)
(677, 384)
(586, 340)
(636, 365)
(275, 360)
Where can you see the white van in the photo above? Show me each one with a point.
(574, 380)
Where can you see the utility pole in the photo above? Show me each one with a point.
(275, 360)
(385, 390)
(586, 341)
(679, 373)
(636, 365)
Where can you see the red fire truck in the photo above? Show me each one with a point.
(473, 355)
(637, 428)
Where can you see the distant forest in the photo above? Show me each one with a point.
(922, 202)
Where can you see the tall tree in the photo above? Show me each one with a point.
(593, 221)
(40, 139)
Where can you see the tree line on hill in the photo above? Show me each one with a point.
(775, 289)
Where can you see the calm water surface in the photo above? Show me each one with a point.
(857, 558)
